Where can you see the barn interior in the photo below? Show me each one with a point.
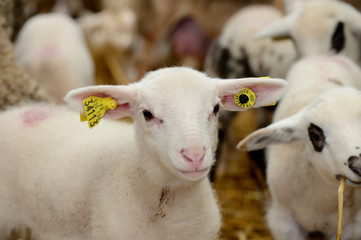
(128, 38)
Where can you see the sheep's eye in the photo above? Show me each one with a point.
(216, 109)
(317, 137)
(147, 115)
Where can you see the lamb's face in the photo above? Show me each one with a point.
(180, 123)
(324, 28)
(329, 129)
(175, 113)
(334, 135)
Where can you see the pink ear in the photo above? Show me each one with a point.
(124, 95)
(267, 91)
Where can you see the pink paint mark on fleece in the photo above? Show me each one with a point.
(48, 52)
(33, 117)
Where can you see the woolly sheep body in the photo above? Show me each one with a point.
(308, 201)
(75, 185)
(312, 75)
(145, 180)
(237, 54)
(52, 49)
(301, 177)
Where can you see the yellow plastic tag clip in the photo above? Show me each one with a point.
(95, 108)
(245, 98)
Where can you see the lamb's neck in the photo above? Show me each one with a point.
(322, 188)
(156, 175)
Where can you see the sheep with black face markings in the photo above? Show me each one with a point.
(237, 54)
(313, 141)
(320, 27)
(147, 181)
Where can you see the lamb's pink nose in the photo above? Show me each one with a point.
(194, 156)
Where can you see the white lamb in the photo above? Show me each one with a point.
(116, 181)
(316, 132)
(52, 49)
(320, 27)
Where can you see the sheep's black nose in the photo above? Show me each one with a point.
(354, 163)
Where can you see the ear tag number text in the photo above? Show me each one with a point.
(245, 98)
(95, 108)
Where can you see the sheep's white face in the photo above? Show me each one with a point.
(180, 123)
(323, 28)
(175, 112)
(333, 127)
(330, 129)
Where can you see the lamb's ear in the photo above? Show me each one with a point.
(353, 19)
(267, 91)
(124, 95)
(285, 131)
(279, 29)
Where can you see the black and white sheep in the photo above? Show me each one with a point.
(314, 141)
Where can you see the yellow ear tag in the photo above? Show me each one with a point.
(95, 108)
(245, 98)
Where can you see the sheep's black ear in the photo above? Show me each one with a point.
(338, 38)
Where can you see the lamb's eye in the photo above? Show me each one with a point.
(147, 115)
(317, 137)
(216, 109)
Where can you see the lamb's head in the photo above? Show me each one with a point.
(175, 113)
(320, 27)
(327, 132)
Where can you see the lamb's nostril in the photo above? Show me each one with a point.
(354, 163)
(193, 156)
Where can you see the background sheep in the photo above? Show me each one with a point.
(113, 39)
(52, 49)
(238, 190)
(146, 182)
(236, 53)
(336, 32)
(316, 145)
(242, 54)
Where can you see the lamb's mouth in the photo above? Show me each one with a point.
(339, 176)
(195, 173)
